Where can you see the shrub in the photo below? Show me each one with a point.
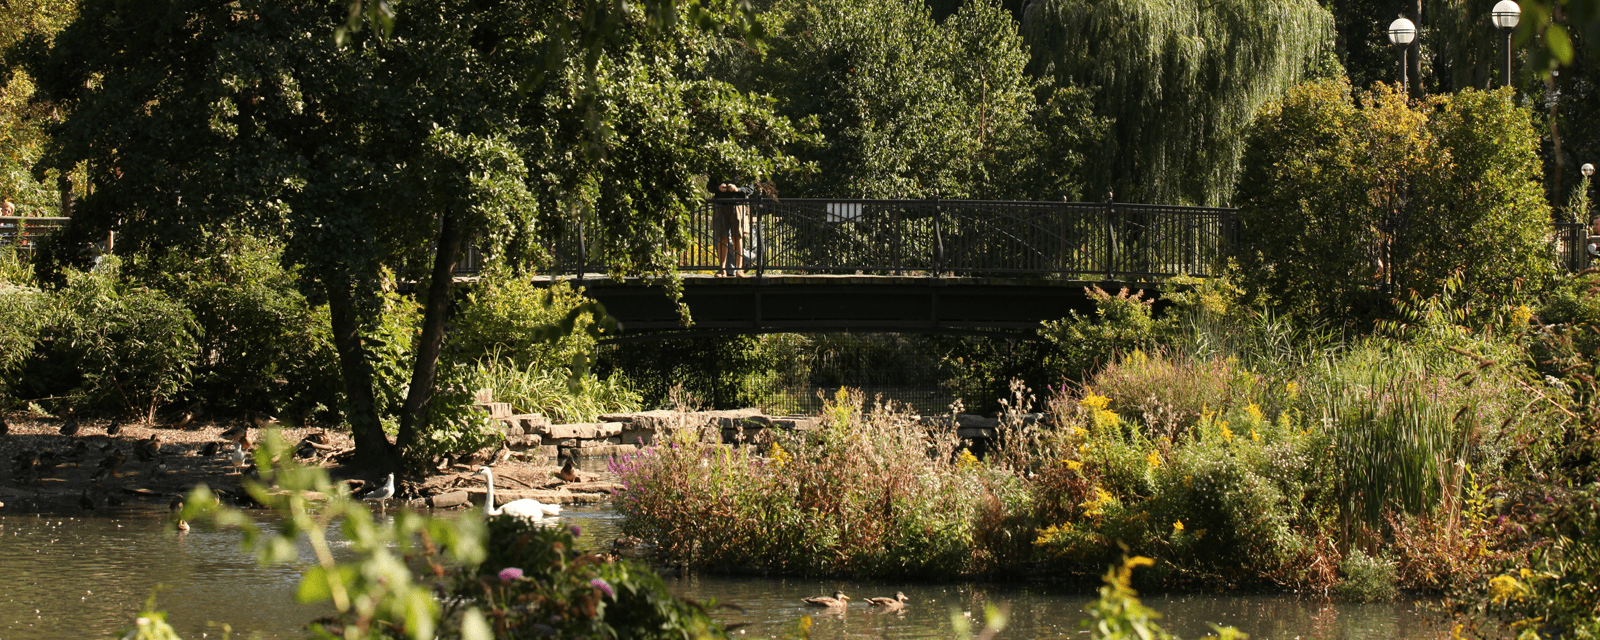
(263, 345)
(24, 312)
(554, 393)
(1392, 197)
(133, 347)
(1122, 324)
(1365, 578)
(870, 492)
(507, 317)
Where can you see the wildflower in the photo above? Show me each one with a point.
(1520, 315)
(1095, 401)
(1227, 434)
(1177, 527)
(1254, 437)
(1107, 418)
(576, 531)
(1255, 412)
(779, 457)
(603, 586)
(1504, 588)
(1292, 389)
(510, 573)
(1102, 499)
(967, 460)
(1074, 465)
(1153, 459)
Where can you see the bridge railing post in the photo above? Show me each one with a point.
(760, 208)
(938, 238)
(1111, 241)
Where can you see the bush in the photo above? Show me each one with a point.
(554, 393)
(264, 346)
(1122, 324)
(132, 347)
(1391, 197)
(507, 317)
(871, 492)
(1365, 578)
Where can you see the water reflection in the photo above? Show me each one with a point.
(85, 577)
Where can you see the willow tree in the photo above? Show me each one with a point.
(1181, 80)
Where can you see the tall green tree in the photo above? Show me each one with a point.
(1181, 81)
(386, 148)
(911, 107)
(1347, 206)
(23, 119)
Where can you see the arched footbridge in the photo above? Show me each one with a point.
(909, 266)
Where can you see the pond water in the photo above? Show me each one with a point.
(86, 577)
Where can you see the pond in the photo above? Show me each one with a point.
(86, 576)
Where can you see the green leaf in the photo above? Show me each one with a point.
(1559, 43)
(475, 627)
(314, 586)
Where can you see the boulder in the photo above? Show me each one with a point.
(584, 430)
(451, 499)
(604, 450)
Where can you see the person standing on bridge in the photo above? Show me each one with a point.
(730, 223)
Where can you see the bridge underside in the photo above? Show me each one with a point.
(838, 304)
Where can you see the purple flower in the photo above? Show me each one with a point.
(1548, 499)
(576, 531)
(603, 586)
(510, 573)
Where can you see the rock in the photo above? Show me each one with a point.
(511, 428)
(532, 422)
(451, 499)
(747, 422)
(585, 430)
(642, 438)
(483, 396)
(801, 423)
(600, 451)
(973, 421)
(497, 410)
(565, 443)
(974, 432)
(593, 487)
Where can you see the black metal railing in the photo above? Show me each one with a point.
(1571, 240)
(956, 237)
(25, 232)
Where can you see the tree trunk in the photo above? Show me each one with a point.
(64, 186)
(373, 450)
(432, 339)
(1414, 53)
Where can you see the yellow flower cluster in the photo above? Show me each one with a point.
(1506, 588)
(1073, 465)
(1095, 401)
(778, 456)
(1153, 459)
(1255, 412)
(1521, 315)
(967, 460)
(1177, 527)
(1094, 508)
(1227, 434)
(1292, 389)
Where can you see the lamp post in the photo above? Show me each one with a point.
(1401, 33)
(1505, 15)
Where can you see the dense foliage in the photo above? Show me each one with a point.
(1348, 205)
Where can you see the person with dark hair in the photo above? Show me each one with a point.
(730, 223)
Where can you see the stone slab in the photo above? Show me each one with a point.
(497, 410)
(973, 421)
(584, 430)
(451, 499)
(641, 437)
(974, 433)
(604, 450)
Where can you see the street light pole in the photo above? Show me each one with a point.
(1401, 33)
(1505, 15)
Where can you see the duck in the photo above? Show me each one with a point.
(527, 508)
(838, 601)
(568, 472)
(262, 420)
(114, 428)
(70, 427)
(210, 449)
(182, 421)
(236, 433)
(85, 501)
(113, 460)
(317, 437)
(380, 493)
(149, 449)
(183, 526)
(890, 604)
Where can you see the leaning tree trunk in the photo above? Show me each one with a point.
(373, 450)
(431, 341)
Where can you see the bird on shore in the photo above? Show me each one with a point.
(114, 428)
(838, 601)
(80, 450)
(237, 433)
(262, 420)
(317, 437)
(238, 455)
(148, 449)
(525, 508)
(890, 604)
(568, 472)
(5, 427)
(48, 459)
(113, 501)
(183, 420)
(210, 449)
(113, 460)
(70, 428)
(85, 501)
(378, 494)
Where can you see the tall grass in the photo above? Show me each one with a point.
(552, 392)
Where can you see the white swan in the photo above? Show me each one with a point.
(524, 508)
